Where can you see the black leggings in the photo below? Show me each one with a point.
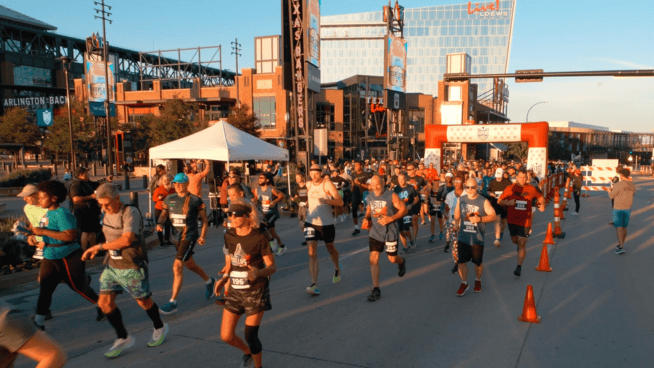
(162, 234)
(70, 270)
(576, 195)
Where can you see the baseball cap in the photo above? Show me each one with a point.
(499, 172)
(449, 175)
(28, 190)
(625, 173)
(180, 178)
(80, 170)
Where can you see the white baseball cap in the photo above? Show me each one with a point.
(499, 172)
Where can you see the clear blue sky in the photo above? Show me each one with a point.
(553, 35)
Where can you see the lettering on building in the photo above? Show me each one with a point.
(33, 101)
(491, 9)
(298, 55)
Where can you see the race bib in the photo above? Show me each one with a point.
(469, 227)
(423, 197)
(115, 255)
(309, 232)
(391, 247)
(178, 220)
(407, 219)
(521, 205)
(38, 254)
(239, 279)
(265, 204)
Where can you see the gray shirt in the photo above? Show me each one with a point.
(15, 330)
(114, 225)
(382, 205)
(470, 233)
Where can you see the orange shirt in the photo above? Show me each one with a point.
(432, 174)
(195, 183)
(520, 213)
(160, 193)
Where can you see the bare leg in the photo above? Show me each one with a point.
(333, 254)
(313, 260)
(622, 235)
(374, 268)
(522, 249)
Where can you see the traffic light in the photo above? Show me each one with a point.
(527, 78)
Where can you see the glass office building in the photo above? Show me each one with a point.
(352, 44)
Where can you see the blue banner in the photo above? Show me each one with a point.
(97, 109)
(44, 117)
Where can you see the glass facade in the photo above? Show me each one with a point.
(352, 44)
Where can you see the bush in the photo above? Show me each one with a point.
(23, 177)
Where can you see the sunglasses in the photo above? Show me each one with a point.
(470, 187)
(238, 214)
(458, 181)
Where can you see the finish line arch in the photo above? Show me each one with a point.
(534, 134)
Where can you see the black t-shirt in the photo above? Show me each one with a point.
(302, 192)
(339, 182)
(406, 194)
(183, 213)
(497, 187)
(243, 251)
(418, 182)
(81, 188)
(363, 178)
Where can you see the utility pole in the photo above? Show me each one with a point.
(236, 47)
(108, 92)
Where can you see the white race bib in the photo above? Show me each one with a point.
(115, 255)
(391, 247)
(423, 196)
(521, 205)
(239, 279)
(469, 227)
(38, 254)
(498, 194)
(309, 232)
(407, 219)
(303, 204)
(265, 204)
(178, 220)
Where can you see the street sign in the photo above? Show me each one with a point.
(44, 117)
(527, 78)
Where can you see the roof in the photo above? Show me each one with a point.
(12, 15)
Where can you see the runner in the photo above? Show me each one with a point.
(418, 183)
(249, 263)
(320, 224)
(383, 211)
(126, 267)
(85, 208)
(183, 210)
(450, 206)
(407, 193)
(300, 195)
(577, 181)
(518, 198)
(471, 214)
(622, 194)
(266, 198)
(34, 213)
(435, 188)
(495, 190)
(160, 193)
(339, 183)
(195, 177)
(61, 252)
(359, 179)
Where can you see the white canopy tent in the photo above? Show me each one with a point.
(219, 142)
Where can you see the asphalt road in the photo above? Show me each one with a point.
(595, 305)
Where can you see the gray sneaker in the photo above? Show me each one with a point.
(158, 336)
(118, 347)
(247, 361)
(620, 251)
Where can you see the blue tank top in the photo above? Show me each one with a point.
(382, 205)
(470, 233)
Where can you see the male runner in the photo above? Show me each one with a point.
(320, 224)
(183, 209)
(300, 195)
(359, 179)
(495, 190)
(471, 214)
(126, 267)
(266, 198)
(434, 188)
(418, 183)
(518, 198)
(339, 183)
(195, 177)
(407, 193)
(383, 211)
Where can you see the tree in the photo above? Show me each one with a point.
(518, 150)
(178, 119)
(16, 127)
(241, 118)
(556, 150)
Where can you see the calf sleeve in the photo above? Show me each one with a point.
(252, 339)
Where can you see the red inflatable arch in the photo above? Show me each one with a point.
(535, 134)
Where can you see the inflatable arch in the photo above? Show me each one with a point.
(535, 134)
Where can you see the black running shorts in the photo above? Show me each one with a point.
(467, 253)
(248, 301)
(317, 232)
(379, 246)
(516, 230)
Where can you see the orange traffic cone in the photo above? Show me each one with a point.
(529, 310)
(544, 264)
(549, 237)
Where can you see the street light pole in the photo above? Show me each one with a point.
(65, 61)
(237, 49)
(108, 91)
(532, 106)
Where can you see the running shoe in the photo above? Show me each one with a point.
(477, 288)
(440, 236)
(208, 293)
(405, 250)
(575, 213)
(401, 268)
(432, 239)
(118, 346)
(169, 308)
(281, 251)
(455, 269)
(423, 222)
(497, 242)
(356, 232)
(447, 248)
(413, 245)
(304, 243)
(158, 336)
(247, 360)
(376, 294)
(518, 271)
(40, 327)
(99, 317)
(462, 289)
(337, 275)
(273, 247)
(313, 290)
(620, 251)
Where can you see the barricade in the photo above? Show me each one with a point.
(596, 178)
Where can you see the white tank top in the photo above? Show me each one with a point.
(318, 213)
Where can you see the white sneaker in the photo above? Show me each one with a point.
(281, 251)
(119, 346)
(575, 214)
(273, 246)
(158, 336)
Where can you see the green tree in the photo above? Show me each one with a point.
(556, 150)
(178, 119)
(16, 126)
(242, 118)
(518, 150)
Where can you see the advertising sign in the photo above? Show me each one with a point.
(313, 31)
(313, 78)
(395, 51)
(451, 114)
(320, 142)
(44, 117)
(95, 77)
(299, 84)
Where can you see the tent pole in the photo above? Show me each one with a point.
(150, 188)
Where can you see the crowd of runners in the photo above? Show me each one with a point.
(389, 200)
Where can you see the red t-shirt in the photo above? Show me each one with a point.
(159, 194)
(520, 213)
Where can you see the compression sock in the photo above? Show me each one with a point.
(153, 313)
(116, 320)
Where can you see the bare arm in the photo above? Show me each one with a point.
(279, 196)
(332, 191)
(44, 350)
(205, 226)
(124, 241)
(65, 236)
(490, 212)
(206, 169)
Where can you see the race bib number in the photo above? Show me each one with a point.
(178, 220)
(391, 247)
(265, 204)
(309, 232)
(239, 280)
(407, 219)
(38, 254)
(498, 194)
(521, 205)
(469, 227)
(115, 255)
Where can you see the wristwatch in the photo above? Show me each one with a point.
(100, 245)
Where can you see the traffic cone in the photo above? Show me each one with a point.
(529, 310)
(549, 238)
(564, 205)
(544, 264)
(557, 217)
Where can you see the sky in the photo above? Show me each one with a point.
(553, 35)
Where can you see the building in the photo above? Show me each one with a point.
(352, 44)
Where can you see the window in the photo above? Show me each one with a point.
(417, 119)
(264, 108)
